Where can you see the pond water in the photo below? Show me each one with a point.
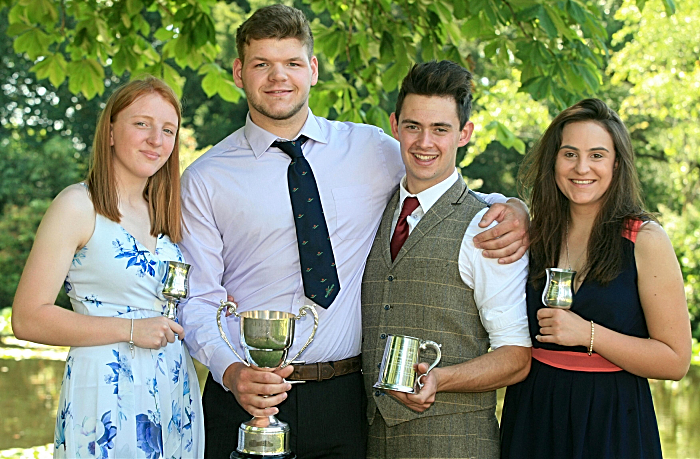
(29, 392)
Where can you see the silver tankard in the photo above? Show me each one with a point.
(266, 337)
(175, 286)
(558, 292)
(401, 353)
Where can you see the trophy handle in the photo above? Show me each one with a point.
(424, 345)
(546, 286)
(302, 313)
(231, 306)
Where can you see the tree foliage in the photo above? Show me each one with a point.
(656, 77)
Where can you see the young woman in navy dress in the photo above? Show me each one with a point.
(587, 394)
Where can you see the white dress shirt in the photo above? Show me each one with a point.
(241, 237)
(499, 290)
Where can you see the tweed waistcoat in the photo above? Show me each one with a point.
(422, 294)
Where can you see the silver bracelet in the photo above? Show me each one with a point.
(131, 340)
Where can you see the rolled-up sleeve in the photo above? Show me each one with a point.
(202, 247)
(499, 291)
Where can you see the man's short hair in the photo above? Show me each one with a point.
(275, 21)
(443, 79)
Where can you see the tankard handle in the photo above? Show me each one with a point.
(424, 344)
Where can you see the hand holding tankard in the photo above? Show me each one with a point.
(401, 354)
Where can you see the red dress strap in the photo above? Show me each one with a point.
(631, 229)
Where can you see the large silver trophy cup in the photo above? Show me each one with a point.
(175, 286)
(266, 337)
(558, 292)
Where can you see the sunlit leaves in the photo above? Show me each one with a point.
(54, 68)
(219, 81)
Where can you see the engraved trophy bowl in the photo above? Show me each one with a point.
(558, 292)
(266, 337)
(175, 286)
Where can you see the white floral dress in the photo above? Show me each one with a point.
(113, 405)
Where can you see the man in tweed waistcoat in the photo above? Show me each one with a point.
(437, 286)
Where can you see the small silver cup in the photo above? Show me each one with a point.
(401, 353)
(558, 292)
(266, 337)
(175, 286)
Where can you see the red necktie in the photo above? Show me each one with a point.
(401, 232)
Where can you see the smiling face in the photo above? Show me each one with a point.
(143, 136)
(585, 163)
(276, 76)
(429, 134)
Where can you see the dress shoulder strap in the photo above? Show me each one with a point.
(631, 229)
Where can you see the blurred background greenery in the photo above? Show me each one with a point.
(60, 60)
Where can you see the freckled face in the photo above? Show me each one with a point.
(143, 136)
(585, 163)
(429, 134)
(276, 76)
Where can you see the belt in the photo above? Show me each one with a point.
(326, 370)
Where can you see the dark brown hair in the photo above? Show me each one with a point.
(162, 191)
(275, 21)
(622, 201)
(443, 79)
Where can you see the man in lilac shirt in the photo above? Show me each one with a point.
(241, 240)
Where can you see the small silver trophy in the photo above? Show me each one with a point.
(175, 286)
(401, 353)
(558, 292)
(266, 337)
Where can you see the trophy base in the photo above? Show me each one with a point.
(396, 387)
(237, 455)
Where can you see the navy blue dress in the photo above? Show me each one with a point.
(557, 413)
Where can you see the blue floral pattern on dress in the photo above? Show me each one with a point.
(120, 369)
(78, 256)
(114, 404)
(93, 299)
(135, 256)
(148, 435)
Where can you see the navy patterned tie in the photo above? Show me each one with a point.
(318, 269)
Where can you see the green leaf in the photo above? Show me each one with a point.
(86, 76)
(640, 4)
(134, 7)
(386, 48)
(380, 118)
(670, 7)
(460, 9)
(164, 34)
(53, 67)
(393, 76)
(219, 81)
(539, 87)
(42, 12)
(18, 28)
(34, 42)
(555, 17)
(546, 22)
(173, 78)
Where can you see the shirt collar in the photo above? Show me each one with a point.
(427, 198)
(260, 140)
